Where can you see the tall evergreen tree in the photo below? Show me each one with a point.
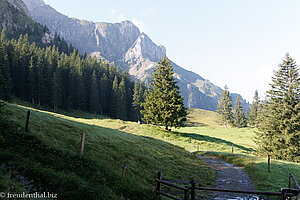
(279, 130)
(164, 103)
(114, 98)
(104, 94)
(5, 79)
(56, 91)
(121, 111)
(137, 100)
(94, 103)
(255, 109)
(247, 115)
(238, 114)
(225, 107)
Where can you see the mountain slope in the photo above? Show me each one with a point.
(15, 19)
(128, 48)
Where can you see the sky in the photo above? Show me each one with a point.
(238, 43)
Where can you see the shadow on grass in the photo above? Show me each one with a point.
(96, 175)
(212, 139)
(196, 124)
(69, 112)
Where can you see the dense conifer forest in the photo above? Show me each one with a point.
(59, 77)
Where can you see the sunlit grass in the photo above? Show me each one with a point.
(142, 145)
(49, 155)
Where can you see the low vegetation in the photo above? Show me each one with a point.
(48, 156)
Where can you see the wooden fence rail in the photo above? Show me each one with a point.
(190, 191)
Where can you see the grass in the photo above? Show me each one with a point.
(215, 140)
(218, 141)
(147, 149)
(200, 118)
(49, 156)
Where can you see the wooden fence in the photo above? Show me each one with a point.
(190, 188)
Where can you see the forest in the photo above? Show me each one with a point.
(61, 78)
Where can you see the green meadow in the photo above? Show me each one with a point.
(49, 154)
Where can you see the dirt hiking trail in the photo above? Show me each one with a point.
(229, 176)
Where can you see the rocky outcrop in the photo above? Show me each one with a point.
(32, 5)
(19, 4)
(124, 44)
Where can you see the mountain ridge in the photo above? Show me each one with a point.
(125, 45)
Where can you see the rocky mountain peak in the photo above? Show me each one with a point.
(113, 39)
(144, 47)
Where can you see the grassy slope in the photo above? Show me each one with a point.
(48, 155)
(205, 129)
(114, 141)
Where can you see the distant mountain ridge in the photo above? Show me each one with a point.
(124, 44)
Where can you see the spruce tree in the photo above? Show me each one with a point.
(5, 79)
(121, 112)
(279, 130)
(104, 94)
(225, 107)
(93, 99)
(255, 109)
(164, 104)
(136, 103)
(114, 98)
(56, 91)
(238, 114)
(247, 115)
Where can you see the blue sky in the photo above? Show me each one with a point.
(234, 42)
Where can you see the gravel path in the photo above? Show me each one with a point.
(229, 176)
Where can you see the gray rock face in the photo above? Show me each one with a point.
(127, 47)
(113, 40)
(19, 4)
(143, 47)
(31, 5)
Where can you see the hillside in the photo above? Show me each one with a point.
(47, 158)
(15, 18)
(132, 50)
(109, 143)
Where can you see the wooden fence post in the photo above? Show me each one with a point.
(186, 193)
(283, 194)
(232, 148)
(197, 146)
(82, 144)
(193, 186)
(158, 184)
(290, 177)
(269, 163)
(27, 121)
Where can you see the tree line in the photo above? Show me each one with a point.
(235, 115)
(57, 78)
(277, 118)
